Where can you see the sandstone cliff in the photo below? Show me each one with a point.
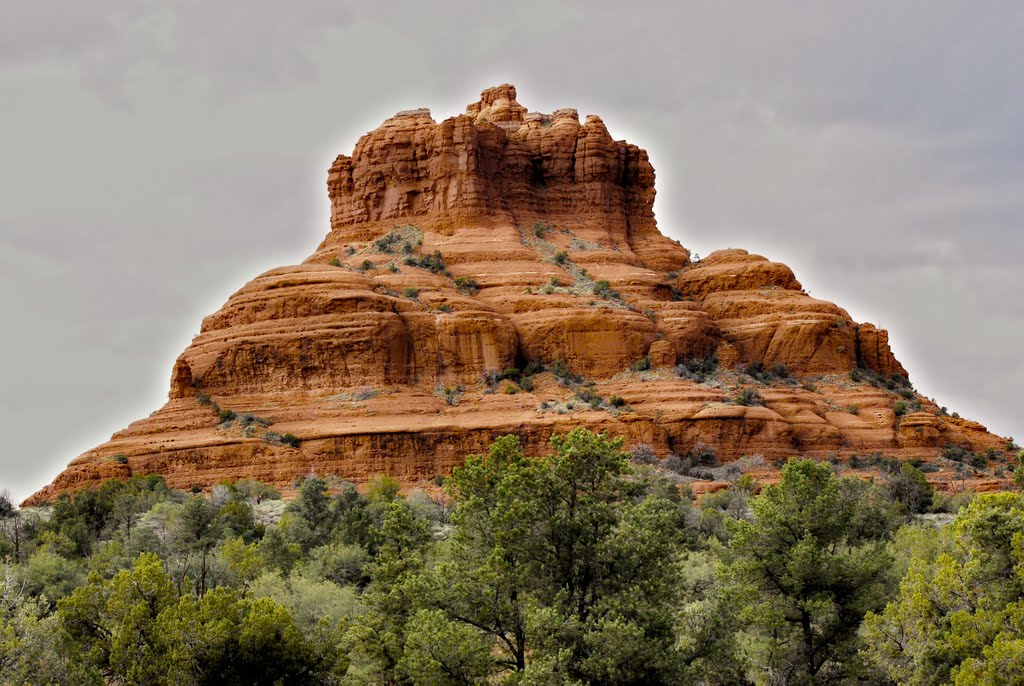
(501, 239)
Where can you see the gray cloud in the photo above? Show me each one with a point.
(157, 156)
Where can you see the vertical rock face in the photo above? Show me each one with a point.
(499, 239)
(496, 164)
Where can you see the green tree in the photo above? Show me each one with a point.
(442, 652)
(378, 638)
(50, 576)
(489, 551)
(314, 511)
(910, 488)
(222, 638)
(114, 620)
(33, 650)
(12, 529)
(136, 630)
(959, 613)
(197, 530)
(807, 569)
(566, 565)
(237, 519)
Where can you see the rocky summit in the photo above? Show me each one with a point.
(501, 272)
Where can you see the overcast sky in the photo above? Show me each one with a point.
(156, 156)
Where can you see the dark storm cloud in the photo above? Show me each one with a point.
(158, 155)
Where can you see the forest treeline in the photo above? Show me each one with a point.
(577, 568)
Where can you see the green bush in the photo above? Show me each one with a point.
(589, 397)
(748, 397)
(411, 293)
(384, 244)
(564, 374)
(641, 365)
(433, 263)
(560, 257)
(703, 454)
(335, 262)
(894, 383)
(760, 373)
(698, 368)
(450, 394)
(956, 453)
(466, 285)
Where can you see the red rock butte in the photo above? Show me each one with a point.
(499, 239)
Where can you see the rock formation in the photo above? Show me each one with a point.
(501, 239)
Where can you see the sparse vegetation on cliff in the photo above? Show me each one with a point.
(466, 285)
(432, 263)
(748, 397)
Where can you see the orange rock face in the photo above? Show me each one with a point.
(488, 241)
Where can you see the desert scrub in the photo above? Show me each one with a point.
(384, 244)
(761, 374)
(643, 454)
(698, 369)
(603, 289)
(357, 395)
(466, 285)
(411, 293)
(590, 398)
(275, 438)
(894, 383)
(450, 394)
(564, 374)
(641, 365)
(703, 454)
(558, 407)
(433, 263)
(540, 228)
(748, 397)
(335, 262)
(560, 257)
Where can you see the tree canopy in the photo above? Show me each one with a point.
(587, 566)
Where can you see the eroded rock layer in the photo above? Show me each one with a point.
(501, 239)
